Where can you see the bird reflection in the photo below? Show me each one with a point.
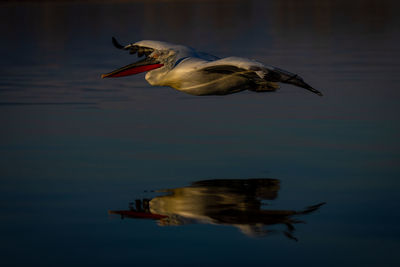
(240, 203)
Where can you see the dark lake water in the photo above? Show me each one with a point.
(230, 180)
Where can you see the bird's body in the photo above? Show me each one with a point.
(197, 73)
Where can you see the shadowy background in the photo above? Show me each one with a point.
(73, 146)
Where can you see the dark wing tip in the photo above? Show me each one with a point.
(318, 93)
(313, 208)
(116, 44)
(312, 89)
(315, 91)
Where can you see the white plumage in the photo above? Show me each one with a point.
(198, 73)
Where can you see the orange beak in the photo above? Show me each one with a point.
(146, 64)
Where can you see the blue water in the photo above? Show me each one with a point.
(74, 146)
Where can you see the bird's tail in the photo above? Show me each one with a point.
(279, 75)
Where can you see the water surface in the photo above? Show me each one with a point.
(74, 146)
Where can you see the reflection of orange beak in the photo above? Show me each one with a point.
(141, 66)
(138, 214)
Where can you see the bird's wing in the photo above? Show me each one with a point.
(231, 69)
(133, 48)
(274, 74)
(269, 74)
(223, 69)
(265, 75)
(251, 74)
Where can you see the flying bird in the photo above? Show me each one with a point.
(197, 73)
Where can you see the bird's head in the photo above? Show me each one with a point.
(159, 57)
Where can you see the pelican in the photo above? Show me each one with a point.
(235, 202)
(198, 73)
